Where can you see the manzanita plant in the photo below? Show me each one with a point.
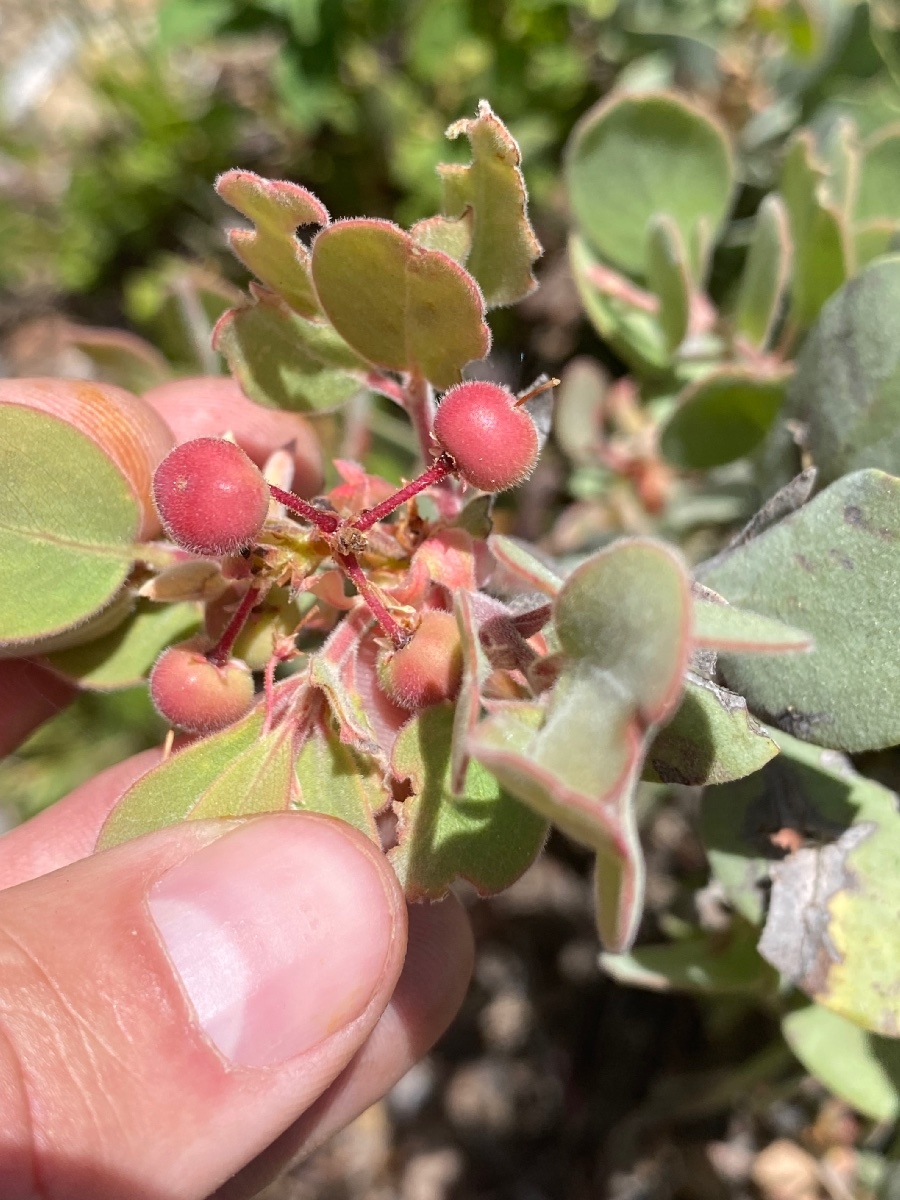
(378, 652)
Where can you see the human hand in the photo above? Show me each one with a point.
(191, 1010)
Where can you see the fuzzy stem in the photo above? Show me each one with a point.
(369, 592)
(439, 469)
(325, 521)
(221, 652)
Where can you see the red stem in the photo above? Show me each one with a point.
(221, 652)
(369, 592)
(439, 469)
(327, 522)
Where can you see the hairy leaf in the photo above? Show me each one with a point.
(483, 835)
(714, 964)
(723, 627)
(61, 560)
(123, 657)
(829, 568)
(492, 190)
(283, 360)
(847, 386)
(398, 304)
(168, 793)
(334, 779)
(668, 274)
(272, 250)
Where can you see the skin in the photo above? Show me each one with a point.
(107, 1070)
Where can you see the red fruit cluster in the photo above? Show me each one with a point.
(429, 667)
(210, 497)
(191, 692)
(494, 444)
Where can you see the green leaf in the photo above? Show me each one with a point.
(875, 238)
(622, 313)
(713, 964)
(724, 416)
(67, 524)
(485, 835)
(272, 250)
(828, 928)
(822, 244)
(334, 779)
(711, 739)
(579, 409)
(284, 361)
(123, 657)
(476, 668)
(451, 237)
(258, 780)
(634, 157)
(766, 275)
(668, 274)
(847, 386)
(492, 189)
(832, 569)
(520, 567)
(878, 193)
(397, 304)
(861, 1068)
(168, 792)
(723, 627)
(623, 621)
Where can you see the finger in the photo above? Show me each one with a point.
(29, 695)
(211, 405)
(68, 830)
(181, 999)
(429, 993)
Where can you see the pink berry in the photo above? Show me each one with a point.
(429, 668)
(494, 444)
(191, 692)
(210, 497)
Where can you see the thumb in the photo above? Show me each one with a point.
(167, 1008)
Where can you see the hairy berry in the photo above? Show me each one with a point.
(210, 497)
(494, 444)
(429, 667)
(191, 692)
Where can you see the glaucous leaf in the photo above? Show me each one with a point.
(491, 188)
(766, 274)
(623, 314)
(475, 670)
(633, 157)
(119, 357)
(123, 657)
(847, 386)
(861, 1068)
(520, 569)
(723, 416)
(61, 561)
(668, 275)
(724, 627)
(712, 964)
(711, 739)
(819, 231)
(878, 187)
(579, 408)
(832, 569)
(169, 792)
(623, 621)
(285, 361)
(483, 835)
(272, 250)
(398, 304)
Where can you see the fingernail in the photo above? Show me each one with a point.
(279, 932)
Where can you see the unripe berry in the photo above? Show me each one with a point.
(429, 668)
(191, 692)
(494, 444)
(211, 498)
